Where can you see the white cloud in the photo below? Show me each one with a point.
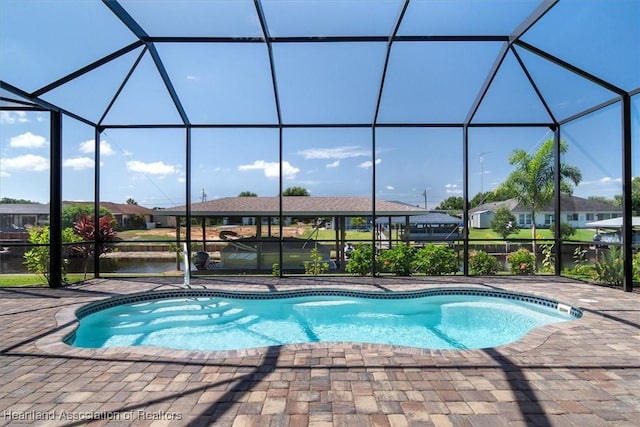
(272, 169)
(189, 77)
(89, 147)
(155, 168)
(369, 163)
(453, 189)
(334, 164)
(26, 163)
(78, 163)
(390, 187)
(11, 117)
(344, 152)
(608, 179)
(28, 140)
(602, 181)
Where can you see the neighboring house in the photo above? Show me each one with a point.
(481, 216)
(576, 211)
(265, 210)
(429, 226)
(123, 211)
(20, 216)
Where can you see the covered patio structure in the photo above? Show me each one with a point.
(271, 213)
(157, 101)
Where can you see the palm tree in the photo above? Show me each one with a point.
(532, 181)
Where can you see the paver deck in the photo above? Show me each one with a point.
(582, 373)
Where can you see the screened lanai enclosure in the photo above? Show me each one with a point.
(248, 125)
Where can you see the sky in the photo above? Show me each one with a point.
(318, 83)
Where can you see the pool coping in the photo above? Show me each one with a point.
(67, 319)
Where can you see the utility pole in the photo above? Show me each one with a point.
(203, 197)
(424, 193)
(482, 170)
(482, 173)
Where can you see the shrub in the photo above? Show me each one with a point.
(315, 266)
(548, 258)
(483, 264)
(636, 267)
(522, 262)
(581, 266)
(436, 260)
(504, 222)
(360, 261)
(609, 267)
(85, 227)
(37, 259)
(398, 260)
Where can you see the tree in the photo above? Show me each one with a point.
(532, 181)
(358, 221)
(295, 191)
(247, 194)
(498, 195)
(131, 201)
(566, 230)
(8, 200)
(504, 222)
(72, 213)
(602, 199)
(452, 203)
(635, 196)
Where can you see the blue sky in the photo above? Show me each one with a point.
(320, 83)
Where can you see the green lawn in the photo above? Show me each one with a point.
(582, 235)
(32, 280)
(145, 235)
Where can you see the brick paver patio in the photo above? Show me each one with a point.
(582, 373)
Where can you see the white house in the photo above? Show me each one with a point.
(575, 211)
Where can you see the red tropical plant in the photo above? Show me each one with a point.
(85, 227)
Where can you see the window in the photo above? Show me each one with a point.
(590, 217)
(572, 217)
(524, 219)
(548, 219)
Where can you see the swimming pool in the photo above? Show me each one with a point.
(448, 318)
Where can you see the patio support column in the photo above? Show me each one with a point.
(556, 201)
(178, 225)
(343, 242)
(407, 228)
(337, 228)
(96, 199)
(627, 226)
(204, 233)
(187, 262)
(465, 198)
(280, 205)
(55, 197)
(373, 201)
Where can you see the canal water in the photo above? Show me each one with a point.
(14, 265)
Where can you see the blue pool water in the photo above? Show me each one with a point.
(225, 322)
